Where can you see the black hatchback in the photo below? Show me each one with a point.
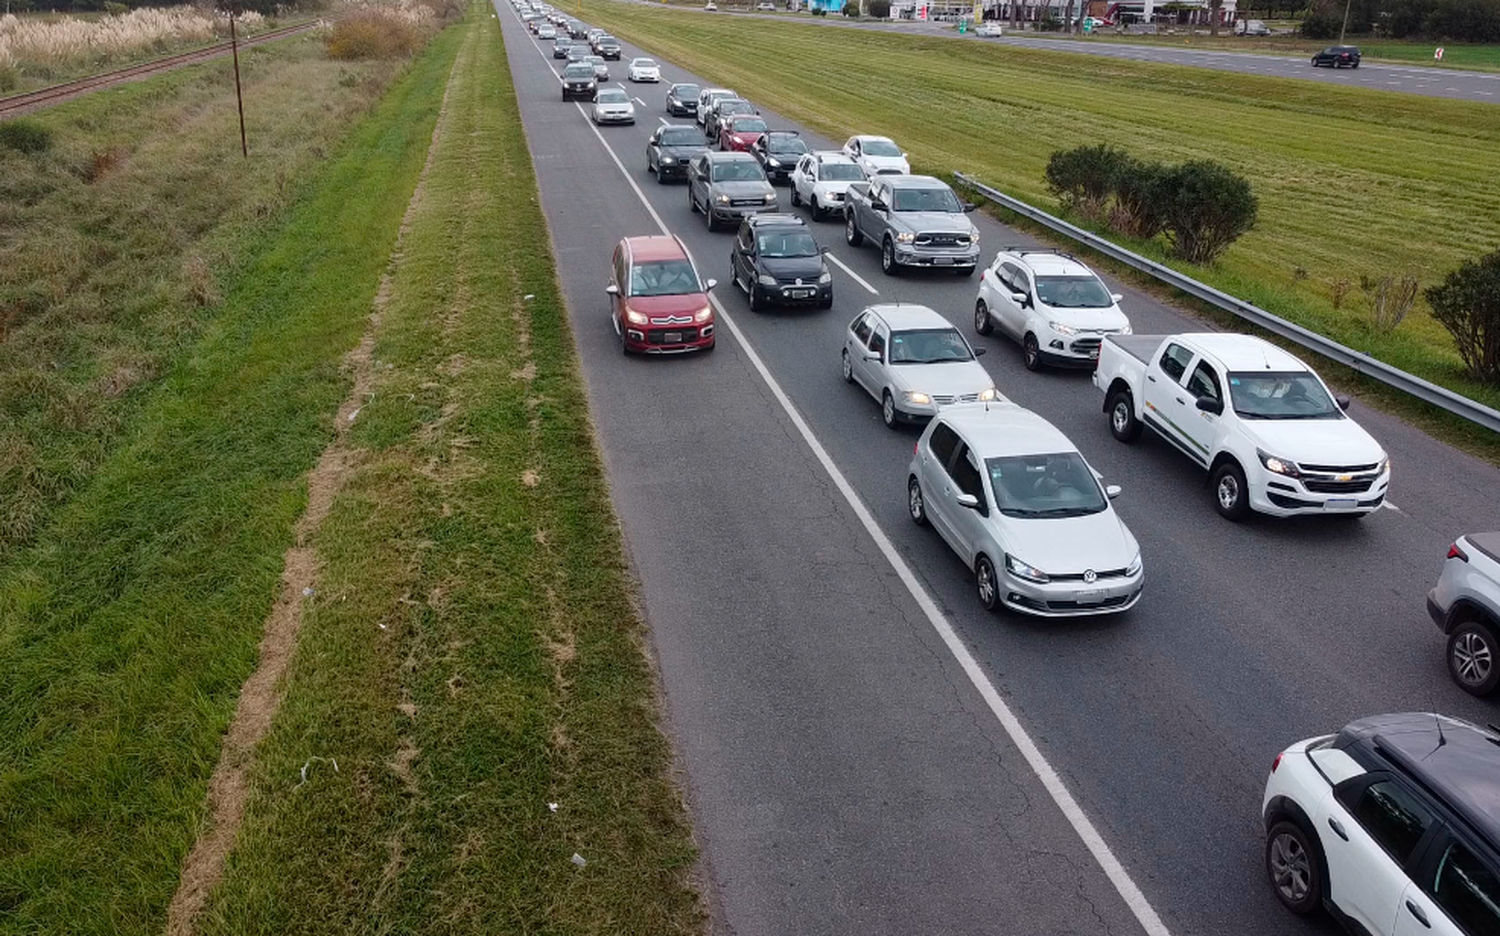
(1339, 56)
(682, 100)
(776, 261)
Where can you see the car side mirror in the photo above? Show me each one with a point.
(1342, 401)
(967, 500)
(1019, 298)
(1210, 405)
(709, 284)
(1112, 491)
(981, 352)
(873, 356)
(877, 205)
(612, 289)
(823, 249)
(969, 206)
(1116, 297)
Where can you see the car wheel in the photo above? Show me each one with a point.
(1122, 422)
(624, 345)
(888, 258)
(914, 506)
(692, 202)
(756, 302)
(1355, 65)
(982, 323)
(796, 198)
(827, 303)
(851, 233)
(817, 210)
(986, 583)
(708, 212)
(1031, 353)
(1474, 657)
(1294, 867)
(1230, 496)
(846, 367)
(888, 410)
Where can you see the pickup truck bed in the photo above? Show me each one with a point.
(1140, 347)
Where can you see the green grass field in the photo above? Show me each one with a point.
(1351, 182)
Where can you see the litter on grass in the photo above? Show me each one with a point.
(309, 763)
(578, 860)
(552, 807)
(307, 593)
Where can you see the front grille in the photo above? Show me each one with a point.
(943, 399)
(1103, 574)
(1085, 345)
(1356, 486)
(938, 239)
(746, 202)
(659, 338)
(1037, 605)
(672, 320)
(1335, 469)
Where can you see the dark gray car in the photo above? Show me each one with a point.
(670, 150)
(728, 186)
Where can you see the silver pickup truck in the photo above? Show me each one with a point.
(915, 220)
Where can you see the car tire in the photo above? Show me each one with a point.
(1355, 65)
(888, 414)
(1294, 866)
(708, 212)
(916, 507)
(1122, 422)
(1031, 352)
(983, 325)
(888, 264)
(827, 303)
(986, 583)
(964, 272)
(846, 367)
(625, 345)
(757, 304)
(1474, 657)
(851, 232)
(796, 198)
(1231, 494)
(818, 212)
(692, 202)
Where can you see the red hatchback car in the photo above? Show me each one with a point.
(660, 304)
(740, 132)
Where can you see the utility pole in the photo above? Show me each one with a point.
(1344, 28)
(239, 97)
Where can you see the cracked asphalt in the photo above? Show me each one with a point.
(842, 773)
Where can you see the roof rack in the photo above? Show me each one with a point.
(1022, 251)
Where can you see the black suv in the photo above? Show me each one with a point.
(1337, 57)
(682, 100)
(578, 81)
(778, 152)
(607, 47)
(671, 148)
(776, 261)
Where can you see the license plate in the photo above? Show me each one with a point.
(672, 338)
(1093, 596)
(1341, 503)
(943, 261)
(1094, 353)
(801, 293)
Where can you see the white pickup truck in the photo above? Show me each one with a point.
(1272, 436)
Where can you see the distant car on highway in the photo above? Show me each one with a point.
(766, 7)
(727, 187)
(682, 99)
(1337, 57)
(706, 99)
(877, 155)
(1271, 435)
(821, 179)
(710, 6)
(1014, 498)
(546, 31)
(601, 70)
(660, 304)
(778, 152)
(1392, 825)
(1253, 27)
(578, 81)
(560, 47)
(915, 221)
(990, 31)
(612, 105)
(1051, 304)
(671, 148)
(719, 111)
(739, 132)
(607, 47)
(913, 361)
(644, 69)
(777, 261)
(579, 52)
(1465, 604)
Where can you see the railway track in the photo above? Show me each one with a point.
(55, 94)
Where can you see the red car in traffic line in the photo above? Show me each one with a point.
(740, 132)
(660, 306)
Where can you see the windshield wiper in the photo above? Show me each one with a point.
(1066, 512)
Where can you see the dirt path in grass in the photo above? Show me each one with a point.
(260, 695)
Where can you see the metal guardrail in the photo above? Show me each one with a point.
(1425, 390)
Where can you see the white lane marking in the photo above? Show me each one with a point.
(664, 122)
(1144, 913)
(1390, 506)
(857, 278)
(639, 101)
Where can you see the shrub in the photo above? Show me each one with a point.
(1390, 299)
(1138, 198)
(373, 33)
(880, 9)
(1205, 208)
(851, 8)
(10, 76)
(26, 136)
(1321, 24)
(1467, 303)
(115, 9)
(1082, 178)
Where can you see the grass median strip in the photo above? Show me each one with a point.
(472, 653)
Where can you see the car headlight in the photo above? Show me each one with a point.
(905, 237)
(703, 314)
(667, 160)
(1134, 567)
(1062, 329)
(738, 139)
(1280, 466)
(1022, 570)
(1385, 463)
(990, 395)
(634, 317)
(765, 280)
(722, 199)
(773, 162)
(921, 399)
(1126, 330)
(826, 278)
(770, 198)
(974, 237)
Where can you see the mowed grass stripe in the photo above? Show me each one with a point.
(1351, 182)
(473, 652)
(127, 631)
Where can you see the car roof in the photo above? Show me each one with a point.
(1049, 264)
(717, 91)
(775, 219)
(654, 247)
(833, 156)
(902, 315)
(1458, 762)
(999, 429)
(914, 181)
(1245, 352)
(730, 156)
(870, 136)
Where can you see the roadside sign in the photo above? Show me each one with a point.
(963, 25)
(922, 12)
(1088, 25)
(1438, 55)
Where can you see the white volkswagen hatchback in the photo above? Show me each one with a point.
(1015, 499)
(913, 361)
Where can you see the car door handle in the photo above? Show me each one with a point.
(1181, 400)
(1338, 828)
(1151, 378)
(1417, 912)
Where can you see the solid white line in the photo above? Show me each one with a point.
(857, 278)
(1144, 913)
(664, 122)
(639, 101)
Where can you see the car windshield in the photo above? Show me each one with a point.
(929, 346)
(739, 170)
(642, 63)
(684, 91)
(787, 244)
(685, 136)
(663, 278)
(748, 126)
(1073, 292)
(778, 143)
(880, 148)
(578, 71)
(734, 107)
(612, 96)
(926, 199)
(1058, 485)
(1281, 395)
(840, 172)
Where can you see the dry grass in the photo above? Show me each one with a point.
(379, 32)
(55, 48)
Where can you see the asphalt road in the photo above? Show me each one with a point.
(846, 773)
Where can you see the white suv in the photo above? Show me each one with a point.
(913, 361)
(821, 180)
(1054, 307)
(1392, 825)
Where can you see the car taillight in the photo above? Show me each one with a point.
(1277, 762)
(916, 449)
(1455, 553)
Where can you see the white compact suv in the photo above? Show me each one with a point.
(1392, 825)
(1052, 305)
(877, 155)
(913, 361)
(821, 181)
